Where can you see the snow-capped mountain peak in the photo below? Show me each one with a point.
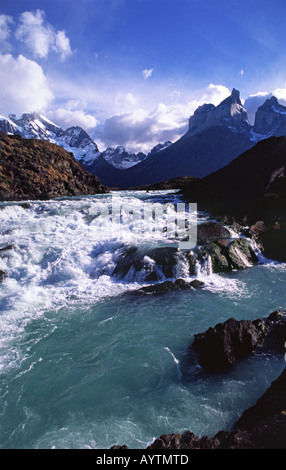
(36, 126)
(122, 159)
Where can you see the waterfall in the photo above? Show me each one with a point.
(204, 268)
(261, 258)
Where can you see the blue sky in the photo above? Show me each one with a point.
(131, 72)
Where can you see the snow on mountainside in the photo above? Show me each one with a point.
(121, 159)
(74, 140)
(36, 126)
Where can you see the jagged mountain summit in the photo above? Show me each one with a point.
(270, 119)
(121, 158)
(36, 126)
(229, 113)
(216, 136)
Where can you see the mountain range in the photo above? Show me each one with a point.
(74, 139)
(216, 136)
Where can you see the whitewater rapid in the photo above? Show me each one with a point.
(69, 341)
(62, 252)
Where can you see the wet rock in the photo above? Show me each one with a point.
(240, 254)
(3, 275)
(144, 264)
(220, 347)
(223, 440)
(166, 259)
(257, 229)
(219, 261)
(168, 286)
(228, 254)
(272, 402)
(211, 231)
(117, 447)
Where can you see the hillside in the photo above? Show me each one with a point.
(251, 190)
(36, 169)
(253, 183)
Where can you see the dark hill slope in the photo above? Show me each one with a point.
(36, 169)
(192, 155)
(254, 184)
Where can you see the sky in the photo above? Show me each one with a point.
(132, 72)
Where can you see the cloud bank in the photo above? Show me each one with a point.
(23, 85)
(40, 37)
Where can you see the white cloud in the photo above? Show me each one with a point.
(62, 44)
(23, 85)
(280, 94)
(140, 129)
(40, 37)
(147, 73)
(5, 31)
(124, 101)
(73, 117)
(253, 102)
(214, 94)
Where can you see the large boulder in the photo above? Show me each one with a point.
(211, 230)
(223, 345)
(168, 286)
(145, 264)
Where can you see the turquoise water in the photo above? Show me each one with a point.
(84, 365)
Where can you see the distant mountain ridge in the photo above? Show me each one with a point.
(74, 139)
(216, 136)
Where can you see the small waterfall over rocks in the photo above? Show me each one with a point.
(218, 250)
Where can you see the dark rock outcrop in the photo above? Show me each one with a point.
(36, 169)
(3, 275)
(158, 264)
(222, 252)
(212, 231)
(271, 404)
(168, 286)
(220, 347)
